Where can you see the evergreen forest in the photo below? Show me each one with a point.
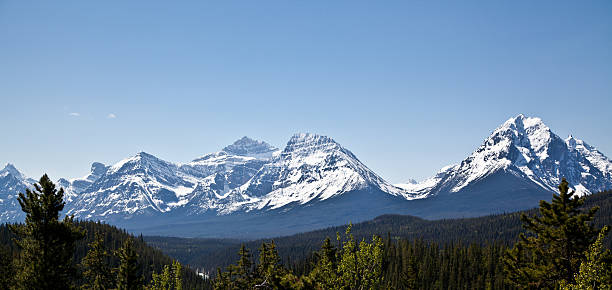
(562, 244)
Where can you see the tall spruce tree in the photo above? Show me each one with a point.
(171, 278)
(360, 266)
(177, 270)
(46, 243)
(128, 272)
(244, 268)
(554, 247)
(162, 281)
(96, 271)
(325, 273)
(223, 280)
(269, 269)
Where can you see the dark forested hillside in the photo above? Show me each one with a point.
(413, 252)
(494, 229)
(561, 234)
(150, 259)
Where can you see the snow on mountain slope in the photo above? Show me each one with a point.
(9, 169)
(311, 167)
(591, 154)
(241, 152)
(224, 171)
(12, 182)
(314, 173)
(426, 186)
(526, 148)
(81, 184)
(73, 187)
(145, 184)
(251, 148)
(212, 193)
(142, 184)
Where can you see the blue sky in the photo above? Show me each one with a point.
(408, 86)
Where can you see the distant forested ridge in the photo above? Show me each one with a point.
(496, 229)
(561, 247)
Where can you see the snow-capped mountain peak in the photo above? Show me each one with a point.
(310, 167)
(591, 154)
(245, 153)
(12, 182)
(519, 163)
(142, 159)
(521, 141)
(75, 186)
(314, 148)
(147, 184)
(10, 169)
(142, 183)
(526, 132)
(97, 170)
(525, 147)
(246, 146)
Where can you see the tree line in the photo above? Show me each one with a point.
(42, 253)
(349, 265)
(561, 248)
(504, 229)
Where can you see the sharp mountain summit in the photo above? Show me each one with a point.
(252, 189)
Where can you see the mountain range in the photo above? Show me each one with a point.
(252, 189)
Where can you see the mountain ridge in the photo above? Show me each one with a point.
(526, 146)
(520, 162)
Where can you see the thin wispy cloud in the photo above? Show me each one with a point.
(74, 114)
(111, 116)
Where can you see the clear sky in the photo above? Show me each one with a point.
(408, 86)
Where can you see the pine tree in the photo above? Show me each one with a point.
(244, 268)
(269, 269)
(128, 276)
(555, 245)
(177, 270)
(162, 281)
(325, 273)
(231, 273)
(96, 271)
(408, 277)
(171, 278)
(360, 267)
(370, 260)
(222, 281)
(47, 244)
(596, 271)
(348, 267)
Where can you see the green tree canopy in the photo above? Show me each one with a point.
(128, 272)
(554, 247)
(96, 271)
(596, 271)
(360, 267)
(47, 244)
(325, 272)
(170, 278)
